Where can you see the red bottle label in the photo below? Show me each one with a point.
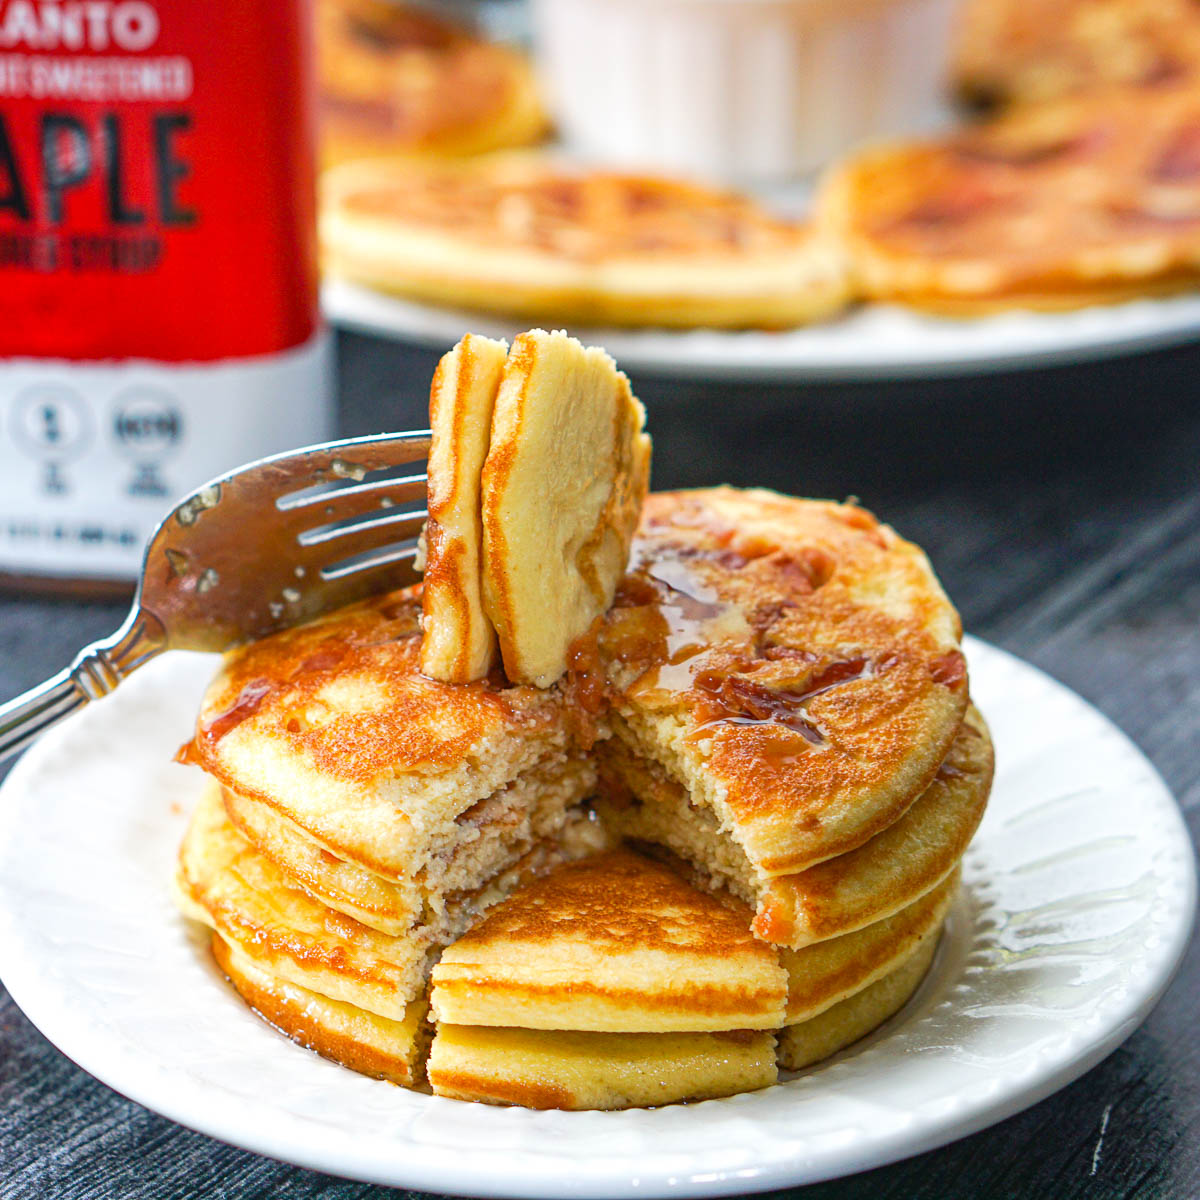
(156, 179)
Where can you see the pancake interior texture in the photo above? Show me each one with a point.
(1091, 199)
(565, 479)
(458, 643)
(615, 943)
(527, 236)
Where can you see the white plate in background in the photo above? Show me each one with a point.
(876, 341)
(1079, 896)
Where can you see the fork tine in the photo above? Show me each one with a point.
(382, 492)
(329, 546)
(388, 557)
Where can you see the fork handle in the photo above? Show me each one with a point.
(96, 671)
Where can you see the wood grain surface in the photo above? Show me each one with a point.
(1062, 511)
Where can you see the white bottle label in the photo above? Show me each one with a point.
(94, 455)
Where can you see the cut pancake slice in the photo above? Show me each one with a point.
(793, 663)
(284, 931)
(430, 785)
(540, 1068)
(365, 1042)
(529, 237)
(523, 830)
(615, 943)
(808, 1042)
(566, 475)
(840, 895)
(458, 642)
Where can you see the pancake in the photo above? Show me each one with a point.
(333, 725)
(363, 1041)
(615, 943)
(458, 643)
(794, 664)
(395, 79)
(541, 824)
(824, 974)
(566, 475)
(540, 1068)
(888, 873)
(1089, 200)
(808, 1042)
(284, 932)
(524, 236)
(1038, 50)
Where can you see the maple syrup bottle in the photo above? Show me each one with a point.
(158, 269)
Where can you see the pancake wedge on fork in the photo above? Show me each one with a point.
(458, 641)
(567, 472)
(610, 984)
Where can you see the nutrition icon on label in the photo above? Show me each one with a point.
(147, 426)
(51, 423)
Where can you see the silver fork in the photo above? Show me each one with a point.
(268, 546)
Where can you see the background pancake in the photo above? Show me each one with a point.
(393, 79)
(540, 1068)
(1087, 200)
(528, 237)
(613, 943)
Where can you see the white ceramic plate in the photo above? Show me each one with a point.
(874, 342)
(1079, 900)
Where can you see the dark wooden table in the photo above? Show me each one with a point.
(1062, 510)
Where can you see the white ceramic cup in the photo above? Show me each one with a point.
(741, 90)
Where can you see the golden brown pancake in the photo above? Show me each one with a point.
(540, 1068)
(826, 973)
(396, 79)
(363, 1041)
(351, 770)
(566, 475)
(891, 871)
(615, 943)
(333, 724)
(540, 822)
(524, 236)
(458, 642)
(1037, 50)
(808, 1042)
(1093, 199)
(794, 664)
(257, 908)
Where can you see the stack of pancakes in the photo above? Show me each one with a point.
(770, 712)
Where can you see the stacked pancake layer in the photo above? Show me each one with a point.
(776, 704)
